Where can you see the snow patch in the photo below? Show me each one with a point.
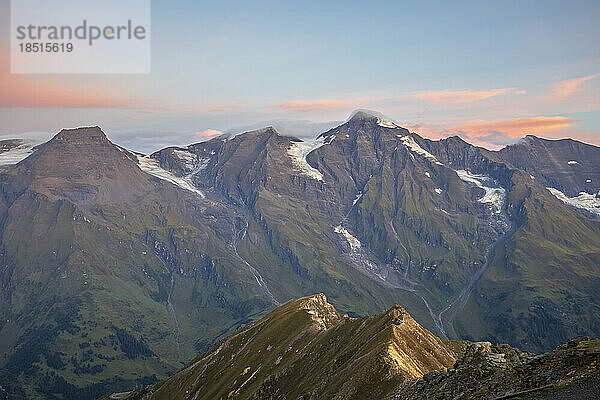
(415, 148)
(495, 195)
(298, 152)
(386, 123)
(572, 162)
(352, 241)
(588, 181)
(150, 166)
(438, 190)
(427, 174)
(584, 201)
(358, 197)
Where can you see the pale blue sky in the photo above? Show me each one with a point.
(439, 67)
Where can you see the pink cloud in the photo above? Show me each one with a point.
(439, 96)
(47, 91)
(209, 133)
(515, 128)
(570, 87)
(462, 96)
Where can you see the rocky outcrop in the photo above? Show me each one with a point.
(498, 371)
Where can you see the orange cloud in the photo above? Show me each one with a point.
(566, 89)
(515, 128)
(462, 96)
(209, 133)
(309, 106)
(494, 135)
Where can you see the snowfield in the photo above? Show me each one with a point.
(189, 159)
(409, 142)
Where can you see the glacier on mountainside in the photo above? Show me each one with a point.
(386, 123)
(298, 152)
(150, 166)
(495, 195)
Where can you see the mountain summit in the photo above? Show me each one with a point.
(82, 164)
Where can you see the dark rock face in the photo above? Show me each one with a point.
(493, 371)
(81, 164)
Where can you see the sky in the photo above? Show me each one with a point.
(490, 72)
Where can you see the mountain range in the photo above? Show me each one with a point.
(117, 268)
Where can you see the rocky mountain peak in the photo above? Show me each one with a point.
(398, 314)
(81, 148)
(321, 312)
(81, 135)
(80, 165)
(263, 132)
